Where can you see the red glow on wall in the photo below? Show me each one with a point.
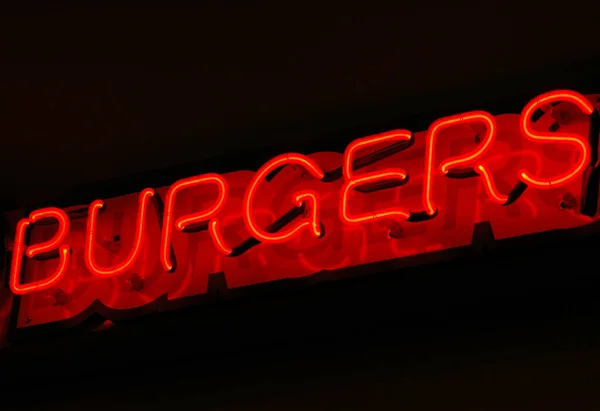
(388, 196)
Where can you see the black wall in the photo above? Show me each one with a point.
(96, 92)
(513, 327)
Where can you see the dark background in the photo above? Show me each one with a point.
(93, 94)
(90, 93)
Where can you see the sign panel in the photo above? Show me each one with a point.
(389, 196)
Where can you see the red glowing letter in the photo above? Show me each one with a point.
(465, 159)
(192, 220)
(490, 186)
(299, 197)
(387, 175)
(217, 240)
(554, 96)
(128, 263)
(41, 249)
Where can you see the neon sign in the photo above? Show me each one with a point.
(388, 196)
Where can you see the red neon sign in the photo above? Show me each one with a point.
(548, 137)
(198, 219)
(389, 196)
(308, 196)
(91, 240)
(387, 176)
(41, 249)
(453, 163)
